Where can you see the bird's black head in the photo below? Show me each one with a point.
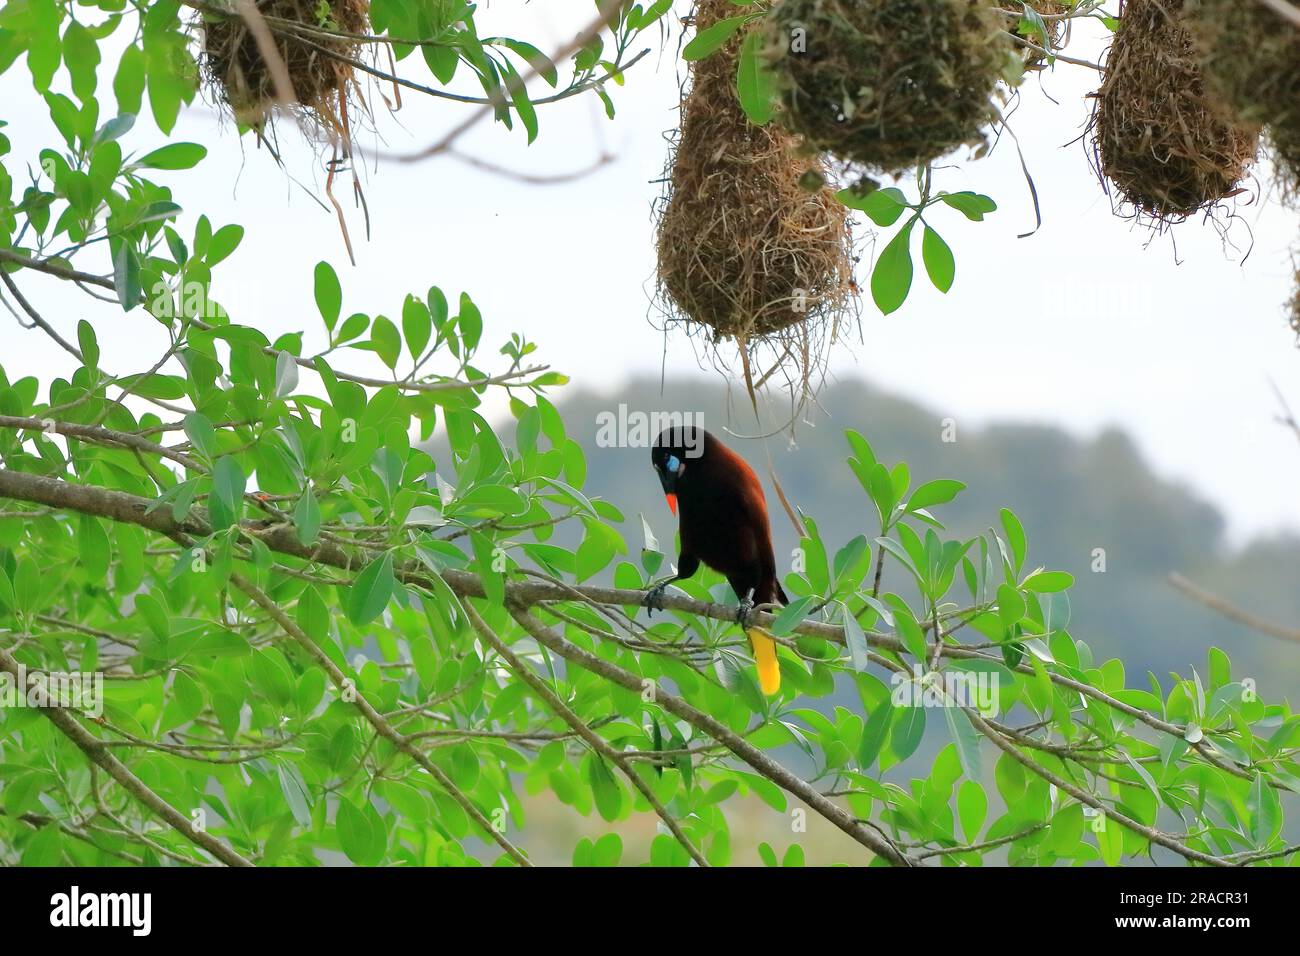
(673, 452)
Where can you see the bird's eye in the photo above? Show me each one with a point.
(672, 464)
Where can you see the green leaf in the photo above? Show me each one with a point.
(1067, 828)
(884, 207)
(271, 675)
(1048, 581)
(296, 796)
(353, 326)
(223, 242)
(607, 851)
(909, 728)
(792, 615)
(971, 205)
(755, 85)
(329, 295)
(155, 616)
(470, 322)
(286, 374)
(442, 62)
(604, 788)
(651, 14)
(891, 279)
(361, 833)
(228, 483)
(176, 246)
(485, 557)
(8, 597)
(371, 591)
(1015, 537)
(874, 733)
(1011, 605)
(1032, 21)
(939, 262)
(712, 38)
(938, 492)
(173, 156)
(126, 276)
(27, 586)
(45, 847)
(89, 344)
(967, 739)
(904, 621)
(595, 552)
(1265, 809)
(417, 325)
(856, 639)
(1110, 841)
(523, 105)
(535, 58)
(306, 517)
(44, 50)
(64, 115)
(386, 340)
(81, 56)
(1220, 667)
(92, 543)
(128, 82)
(201, 434)
(972, 807)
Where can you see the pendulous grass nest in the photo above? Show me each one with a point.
(1169, 148)
(888, 84)
(305, 34)
(753, 247)
(1251, 59)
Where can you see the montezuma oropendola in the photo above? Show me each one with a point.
(723, 522)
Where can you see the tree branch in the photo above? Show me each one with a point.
(61, 271)
(1232, 612)
(607, 13)
(702, 722)
(601, 745)
(1065, 786)
(376, 719)
(36, 317)
(101, 756)
(283, 538)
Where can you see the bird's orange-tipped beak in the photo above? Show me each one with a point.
(672, 502)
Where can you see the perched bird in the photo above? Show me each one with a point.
(723, 522)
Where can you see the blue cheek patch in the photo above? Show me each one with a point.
(673, 464)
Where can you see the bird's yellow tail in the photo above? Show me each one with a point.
(769, 672)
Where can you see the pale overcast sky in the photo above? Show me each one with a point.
(1089, 323)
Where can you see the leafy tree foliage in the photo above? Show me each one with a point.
(317, 639)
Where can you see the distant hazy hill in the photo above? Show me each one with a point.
(1072, 496)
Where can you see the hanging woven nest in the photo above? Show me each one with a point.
(307, 37)
(1169, 149)
(1251, 59)
(888, 84)
(753, 248)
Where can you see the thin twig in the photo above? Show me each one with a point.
(101, 756)
(1232, 612)
(602, 746)
(36, 317)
